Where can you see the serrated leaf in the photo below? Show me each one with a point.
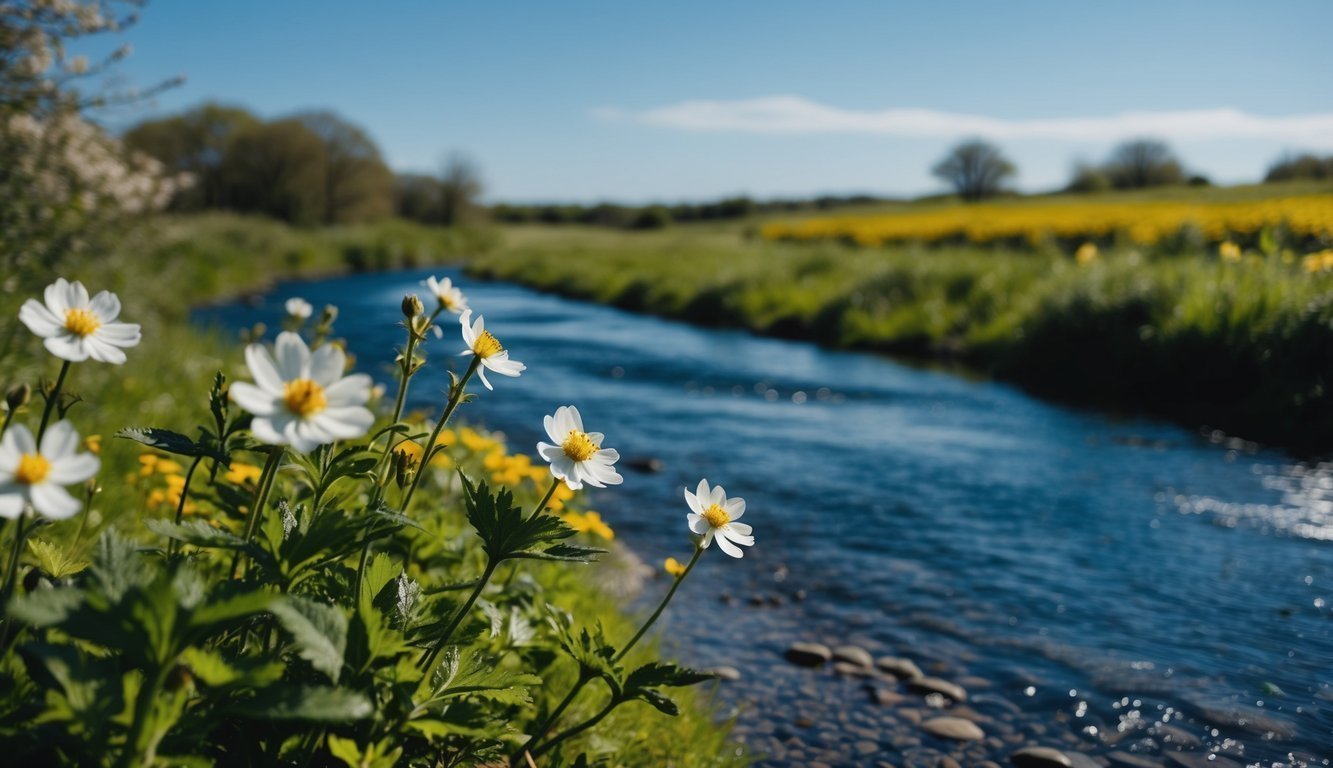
(45, 607)
(319, 630)
(472, 674)
(54, 561)
(230, 607)
(380, 570)
(506, 534)
(658, 674)
(663, 704)
(209, 666)
(327, 705)
(196, 532)
(170, 442)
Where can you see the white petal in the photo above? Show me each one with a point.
(120, 334)
(67, 347)
(741, 529)
(708, 539)
(698, 525)
(57, 297)
(253, 399)
(39, 319)
(481, 374)
(552, 429)
(106, 305)
(20, 440)
(265, 431)
(327, 365)
(347, 423)
(583, 473)
(606, 456)
(693, 502)
(575, 418)
(469, 336)
(76, 295)
(731, 534)
(702, 492)
(265, 373)
(103, 351)
(292, 356)
(352, 390)
(604, 473)
(735, 508)
(11, 502)
(59, 441)
(718, 497)
(728, 547)
(74, 469)
(548, 452)
(53, 501)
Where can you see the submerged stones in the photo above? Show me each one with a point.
(1040, 757)
(808, 654)
(903, 669)
(929, 685)
(953, 728)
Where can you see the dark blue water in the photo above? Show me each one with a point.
(1095, 576)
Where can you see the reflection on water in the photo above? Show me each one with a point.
(1097, 583)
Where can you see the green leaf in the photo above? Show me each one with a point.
(320, 632)
(663, 704)
(473, 674)
(228, 607)
(506, 534)
(345, 750)
(171, 442)
(313, 703)
(380, 570)
(54, 561)
(196, 532)
(45, 607)
(117, 566)
(658, 674)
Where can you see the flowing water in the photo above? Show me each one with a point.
(1102, 586)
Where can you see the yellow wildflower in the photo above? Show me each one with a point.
(241, 473)
(589, 522)
(147, 462)
(167, 467)
(1229, 251)
(1086, 253)
(93, 444)
(673, 567)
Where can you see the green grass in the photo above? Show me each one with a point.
(1246, 347)
(159, 271)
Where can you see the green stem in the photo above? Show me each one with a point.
(261, 498)
(576, 730)
(173, 545)
(662, 606)
(9, 416)
(11, 574)
(554, 717)
(51, 399)
(143, 706)
(430, 448)
(541, 505)
(428, 659)
(406, 370)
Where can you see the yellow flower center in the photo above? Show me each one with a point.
(486, 345)
(578, 446)
(304, 397)
(33, 469)
(716, 516)
(81, 322)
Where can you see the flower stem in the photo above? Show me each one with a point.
(173, 545)
(455, 396)
(670, 593)
(541, 505)
(143, 708)
(428, 659)
(9, 416)
(51, 399)
(11, 573)
(261, 498)
(576, 730)
(554, 717)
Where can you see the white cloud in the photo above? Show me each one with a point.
(795, 115)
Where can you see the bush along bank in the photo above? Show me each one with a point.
(311, 579)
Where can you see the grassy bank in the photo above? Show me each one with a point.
(1242, 345)
(162, 269)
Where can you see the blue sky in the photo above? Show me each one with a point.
(695, 100)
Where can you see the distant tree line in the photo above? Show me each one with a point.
(658, 215)
(1303, 166)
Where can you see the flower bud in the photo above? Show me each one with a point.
(329, 315)
(18, 396)
(412, 306)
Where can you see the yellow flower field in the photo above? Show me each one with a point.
(1307, 218)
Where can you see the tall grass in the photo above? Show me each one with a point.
(1246, 347)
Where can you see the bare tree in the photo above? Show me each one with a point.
(357, 183)
(460, 188)
(975, 168)
(1142, 163)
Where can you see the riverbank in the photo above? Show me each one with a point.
(160, 271)
(1244, 346)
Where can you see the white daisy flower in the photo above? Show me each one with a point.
(448, 295)
(302, 399)
(577, 456)
(299, 309)
(481, 343)
(714, 516)
(32, 475)
(77, 328)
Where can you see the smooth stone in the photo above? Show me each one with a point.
(886, 697)
(1080, 760)
(1126, 760)
(865, 747)
(854, 654)
(955, 728)
(947, 762)
(968, 713)
(848, 669)
(929, 685)
(726, 673)
(1040, 757)
(903, 669)
(1171, 735)
(808, 654)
